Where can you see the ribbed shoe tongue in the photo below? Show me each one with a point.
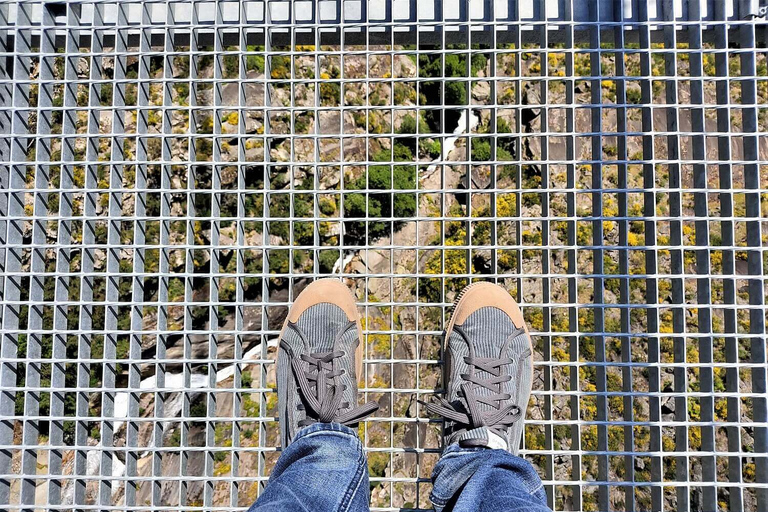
(321, 323)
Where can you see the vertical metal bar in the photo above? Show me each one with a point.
(166, 171)
(651, 259)
(117, 142)
(265, 294)
(193, 174)
(676, 253)
(598, 282)
(622, 155)
(67, 175)
(12, 208)
(43, 170)
(86, 339)
(237, 351)
(754, 235)
(704, 294)
(546, 242)
(6, 89)
(135, 311)
(213, 338)
(572, 337)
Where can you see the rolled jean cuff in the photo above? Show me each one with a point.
(325, 427)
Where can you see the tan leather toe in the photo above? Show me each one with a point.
(483, 294)
(323, 291)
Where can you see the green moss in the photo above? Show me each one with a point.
(478, 63)
(330, 94)
(431, 148)
(327, 206)
(174, 439)
(377, 465)
(250, 406)
(254, 62)
(481, 149)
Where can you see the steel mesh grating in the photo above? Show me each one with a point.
(173, 173)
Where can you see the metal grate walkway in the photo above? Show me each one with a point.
(173, 173)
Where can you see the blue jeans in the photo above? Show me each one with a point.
(324, 469)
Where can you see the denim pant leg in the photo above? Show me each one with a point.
(323, 470)
(485, 480)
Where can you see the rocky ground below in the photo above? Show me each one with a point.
(391, 275)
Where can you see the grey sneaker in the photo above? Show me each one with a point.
(487, 370)
(319, 360)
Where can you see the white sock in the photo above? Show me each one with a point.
(495, 441)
